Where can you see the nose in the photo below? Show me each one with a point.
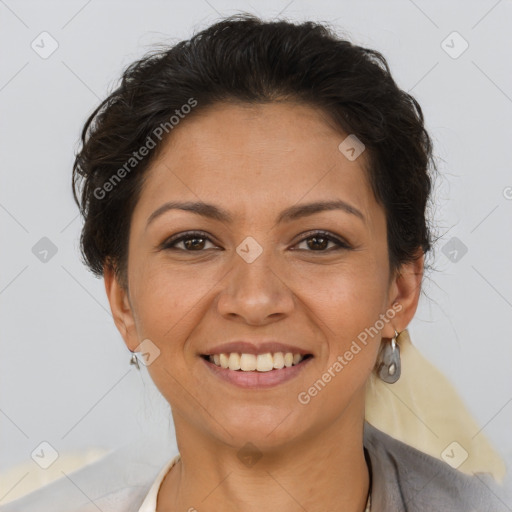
(255, 293)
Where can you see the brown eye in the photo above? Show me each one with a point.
(319, 241)
(192, 242)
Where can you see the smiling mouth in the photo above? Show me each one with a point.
(256, 363)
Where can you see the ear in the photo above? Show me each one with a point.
(121, 308)
(405, 289)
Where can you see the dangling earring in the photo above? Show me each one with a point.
(135, 360)
(388, 362)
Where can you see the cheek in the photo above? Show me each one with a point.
(348, 296)
(349, 302)
(169, 303)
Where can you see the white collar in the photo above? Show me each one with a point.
(149, 503)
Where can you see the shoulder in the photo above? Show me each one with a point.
(406, 479)
(118, 482)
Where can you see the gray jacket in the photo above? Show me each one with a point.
(403, 480)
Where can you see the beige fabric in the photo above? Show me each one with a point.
(36, 477)
(424, 410)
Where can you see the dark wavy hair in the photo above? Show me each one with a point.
(245, 59)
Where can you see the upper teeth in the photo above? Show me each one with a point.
(252, 362)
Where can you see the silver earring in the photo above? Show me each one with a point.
(388, 362)
(135, 360)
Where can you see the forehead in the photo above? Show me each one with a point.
(251, 158)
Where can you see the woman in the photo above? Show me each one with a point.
(255, 199)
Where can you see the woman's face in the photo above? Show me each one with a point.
(261, 274)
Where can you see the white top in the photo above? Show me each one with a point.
(149, 503)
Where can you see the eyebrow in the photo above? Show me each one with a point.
(292, 213)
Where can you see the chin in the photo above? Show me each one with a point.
(266, 427)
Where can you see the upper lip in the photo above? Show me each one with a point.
(246, 347)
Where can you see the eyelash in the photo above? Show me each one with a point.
(170, 243)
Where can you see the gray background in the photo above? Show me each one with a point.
(64, 372)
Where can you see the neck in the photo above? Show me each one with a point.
(324, 471)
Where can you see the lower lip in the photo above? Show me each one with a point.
(257, 380)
